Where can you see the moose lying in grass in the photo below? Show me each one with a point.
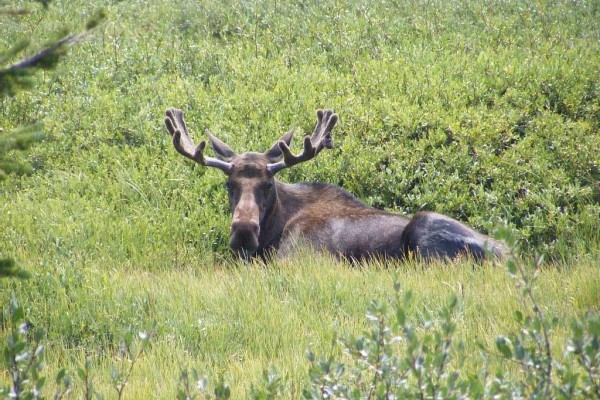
(270, 216)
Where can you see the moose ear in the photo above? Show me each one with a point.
(274, 154)
(222, 151)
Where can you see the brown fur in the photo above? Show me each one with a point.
(273, 217)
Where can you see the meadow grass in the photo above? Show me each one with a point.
(489, 113)
(242, 319)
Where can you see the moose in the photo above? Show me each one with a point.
(272, 218)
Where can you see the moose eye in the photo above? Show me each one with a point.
(266, 187)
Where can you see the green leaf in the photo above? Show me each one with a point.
(502, 344)
(519, 316)
(6, 263)
(115, 374)
(22, 274)
(17, 315)
(60, 375)
(512, 267)
(38, 335)
(222, 391)
(127, 339)
(400, 316)
(98, 16)
(593, 326)
(453, 301)
(40, 382)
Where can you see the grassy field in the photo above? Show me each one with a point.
(487, 113)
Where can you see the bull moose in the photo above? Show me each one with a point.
(272, 217)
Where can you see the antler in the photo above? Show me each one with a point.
(320, 139)
(185, 146)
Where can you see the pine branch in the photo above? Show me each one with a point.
(39, 59)
(15, 76)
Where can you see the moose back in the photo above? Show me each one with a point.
(272, 217)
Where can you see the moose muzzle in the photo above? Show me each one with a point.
(245, 228)
(244, 236)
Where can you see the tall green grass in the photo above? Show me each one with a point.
(489, 113)
(242, 319)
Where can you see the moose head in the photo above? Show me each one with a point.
(251, 184)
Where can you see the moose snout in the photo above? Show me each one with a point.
(244, 236)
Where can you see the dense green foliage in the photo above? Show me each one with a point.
(16, 76)
(488, 113)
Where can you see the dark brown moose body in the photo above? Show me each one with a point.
(272, 217)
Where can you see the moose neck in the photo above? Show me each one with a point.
(291, 200)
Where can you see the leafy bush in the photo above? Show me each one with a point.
(392, 360)
(16, 77)
(398, 360)
(487, 113)
(23, 358)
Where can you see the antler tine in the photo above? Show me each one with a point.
(313, 144)
(184, 144)
(326, 120)
(178, 130)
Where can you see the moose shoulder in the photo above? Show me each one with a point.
(272, 216)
